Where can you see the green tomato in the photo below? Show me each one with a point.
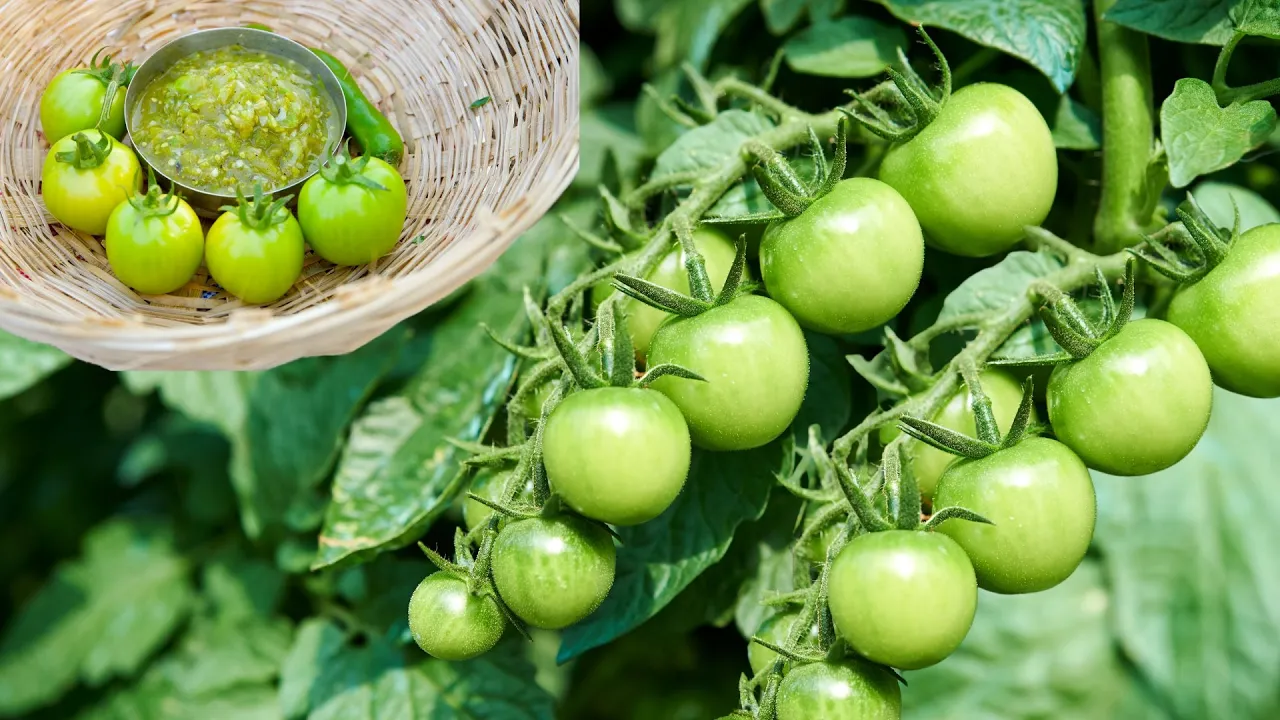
(488, 485)
(848, 263)
(83, 199)
(1040, 497)
(1137, 404)
(643, 320)
(348, 223)
(1233, 315)
(257, 265)
(981, 171)
(927, 462)
(753, 358)
(903, 598)
(534, 401)
(618, 455)
(153, 253)
(449, 622)
(775, 630)
(851, 689)
(553, 572)
(73, 102)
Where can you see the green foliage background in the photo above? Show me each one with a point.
(238, 545)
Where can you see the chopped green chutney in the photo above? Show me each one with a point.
(230, 118)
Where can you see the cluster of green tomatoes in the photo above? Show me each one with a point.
(351, 212)
(1014, 513)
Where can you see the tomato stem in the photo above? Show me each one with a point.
(88, 154)
(1131, 174)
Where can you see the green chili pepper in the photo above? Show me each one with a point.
(369, 127)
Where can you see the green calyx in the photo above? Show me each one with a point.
(989, 439)
(88, 154)
(155, 202)
(617, 355)
(906, 90)
(259, 212)
(1077, 334)
(106, 71)
(113, 76)
(784, 188)
(1187, 249)
(342, 169)
(702, 298)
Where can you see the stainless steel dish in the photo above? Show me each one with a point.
(207, 203)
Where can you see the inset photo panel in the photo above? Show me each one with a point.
(639, 359)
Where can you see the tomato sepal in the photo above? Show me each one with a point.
(922, 105)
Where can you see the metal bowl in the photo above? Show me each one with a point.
(208, 203)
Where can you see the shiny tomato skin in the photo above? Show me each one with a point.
(618, 455)
(1136, 405)
(717, 251)
(1233, 315)
(154, 255)
(851, 689)
(349, 224)
(755, 363)
(903, 598)
(1040, 497)
(553, 572)
(981, 171)
(84, 199)
(849, 262)
(449, 622)
(72, 103)
(256, 265)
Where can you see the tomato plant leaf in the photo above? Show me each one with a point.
(775, 573)
(1076, 127)
(1028, 656)
(100, 617)
(1220, 201)
(782, 15)
(375, 682)
(1186, 21)
(999, 286)
(687, 31)
(1257, 17)
(706, 147)
(851, 47)
(604, 130)
(157, 697)
(285, 425)
(828, 401)
(1193, 583)
(24, 363)
(316, 643)
(398, 472)
(1201, 137)
(1048, 34)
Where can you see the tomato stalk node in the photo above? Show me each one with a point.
(88, 154)
(782, 185)
(342, 169)
(1187, 249)
(155, 203)
(921, 103)
(259, 212)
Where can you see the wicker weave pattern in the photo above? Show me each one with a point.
(477, 178)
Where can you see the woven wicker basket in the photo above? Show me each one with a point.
(477, 177)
